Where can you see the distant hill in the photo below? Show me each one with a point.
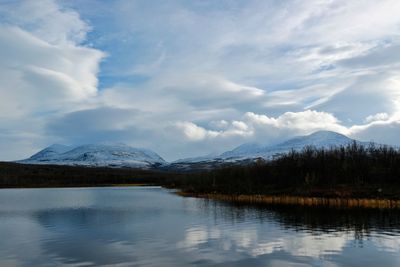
(110, 155)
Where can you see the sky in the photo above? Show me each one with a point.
(190, 78)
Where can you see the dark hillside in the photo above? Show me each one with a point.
(346, 171)
(25, 175)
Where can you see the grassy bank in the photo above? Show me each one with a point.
(302, 201)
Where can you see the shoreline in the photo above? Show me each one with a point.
(331, 202)
(293, 200)
(78, 186)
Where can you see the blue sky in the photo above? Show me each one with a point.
(187, 78)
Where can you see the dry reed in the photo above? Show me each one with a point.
(303, 201)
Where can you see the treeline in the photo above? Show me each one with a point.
(352, 170)
(25, 175)
(347, 171)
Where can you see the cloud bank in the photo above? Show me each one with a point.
(190, 78)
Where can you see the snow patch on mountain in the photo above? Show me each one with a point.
(121, 155)
(112, 155)
(197, 159)
(50, 152)
(320, 139)
(250, 152)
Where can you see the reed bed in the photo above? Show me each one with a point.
(302, 201)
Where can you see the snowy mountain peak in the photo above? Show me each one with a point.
(327, 135)
(242, 150)
(50, 152)
(320, 139)
(115, 155)
(59, 148)
(122, 155)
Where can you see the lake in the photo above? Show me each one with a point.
(151, 226)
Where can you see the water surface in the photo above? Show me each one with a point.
(150, 226)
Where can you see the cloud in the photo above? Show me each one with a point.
(90, 125)
(44, 75)
(383, 132)
(194, 132)
(386, 55)
(46, 20)
(377, 117)
(188, 78)
(368, 94)
(41, 76)
(309, 119)
(207, 90)
(379, 128)
(262, 127)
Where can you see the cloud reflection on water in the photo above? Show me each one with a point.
(152, 227)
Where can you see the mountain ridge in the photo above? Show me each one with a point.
(116, 155)
(121, 155)
(319, 139)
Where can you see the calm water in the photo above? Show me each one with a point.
(153, 227)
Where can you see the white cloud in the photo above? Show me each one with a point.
(41, 76)
(377, 117)
(41, 69)
(380, 128)
(202, 76)
(46, 20)
(195, 133)
(255, 127)
(309, 120)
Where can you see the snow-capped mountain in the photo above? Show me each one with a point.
(112, 155)
(320, 139)
(249, 152)
(198, 159)
(120, 155)
(50, 152)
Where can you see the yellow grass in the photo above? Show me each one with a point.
(303, 201)
(133, 184)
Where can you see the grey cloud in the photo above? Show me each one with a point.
(379, 132)
(94, 125)
(381, 56)
(368, 95)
